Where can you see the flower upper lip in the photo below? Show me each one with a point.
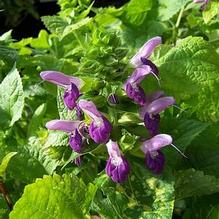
(61, 79)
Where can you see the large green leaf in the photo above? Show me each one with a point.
(52, 197)
(11, 98)
(195, 183)
(190, 71)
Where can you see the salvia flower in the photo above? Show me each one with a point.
(154, 158)
(117, 166)
(132, 85)
(71, 84)
(100, 127)
(141, 57)
(203, 2)
(154, 104)
(71, 127)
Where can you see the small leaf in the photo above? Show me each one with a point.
(5, 162)
(11, 97)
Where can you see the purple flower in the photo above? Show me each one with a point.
(71, 127)
(132, 85)
(75, 141)
(204, 3)
(71, 84)
(100, 127)
(117, 166)
(113, 99)
(141, 57)
(154, 158)
(155, 104)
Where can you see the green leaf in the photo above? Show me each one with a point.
(11, 97)
(6, 37)
(71, 28)
(135, 12)
(190, 71)
(195, 183)
(204, 151)
(41, 42)
(54, 24)
(168, 8)
(8, 55)
(52, 197)
(5, 162)
(36, 120)
(211, 11)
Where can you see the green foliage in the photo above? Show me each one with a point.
(96, 45)
(53, 197)
(195, 183)
(198, 72)
(11, 98)
(211, 11)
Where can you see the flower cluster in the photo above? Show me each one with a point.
(98, 130)
(150, 105)
(99, 127)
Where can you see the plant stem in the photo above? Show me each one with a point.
(6, 196)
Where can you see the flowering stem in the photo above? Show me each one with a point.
(180, 16)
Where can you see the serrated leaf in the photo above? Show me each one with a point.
(54, 24)
(190, 71)
(71, 28)
(192, 182)
(51, 197)
(11, 97)
(8, 54)
(5, 162)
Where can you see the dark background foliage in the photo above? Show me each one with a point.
(24, 15)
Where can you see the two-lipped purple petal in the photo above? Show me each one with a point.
(150, 111)
(61, 79)
(156, 143)
(71, 84)
(71, 127)
(145, 51)
(154, 158)
(117, 166)
(132, 85)
(100, 127)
